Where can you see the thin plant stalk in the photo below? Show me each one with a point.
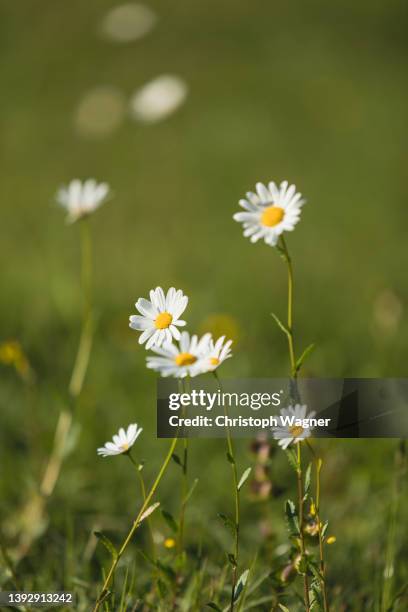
(318, 465)
(231, 459)
(301, 532)
(80, 367)
(184, 482)
(291, 345)
(104, 592)
(294, 372)
(143, 492)
(400, 465)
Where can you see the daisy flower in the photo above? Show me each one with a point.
(82, 198)
(270, 211)
(122, 442)
(160, 316)
(186, 359)
(218, 352)
(286, 434)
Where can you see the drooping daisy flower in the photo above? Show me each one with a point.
(186, 359)
(270, 211)
(218, 352)
(292, 432)
(122, 442)
(160, 316)
(82, 198)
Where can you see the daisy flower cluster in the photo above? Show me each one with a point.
(177, 354)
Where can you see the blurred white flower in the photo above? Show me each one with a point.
(100, 112)
(160, 316)
(186, 359)
(82, 198)
(270, 211)
(128, 22)
(158, 99)
(218, 352)
(286, 434)
(122, 442)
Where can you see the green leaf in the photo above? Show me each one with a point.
(107, 543)
(292, 518)
(170, 521)
(280, 324)
(240, 584)
(303, 356)
(230, 459)
(232, 559)
(324, 528)
(162, 588)
(283, 608)
(148, 512)
(190, 492)
(308, 479)
(292, 458)
(228, 522)
(244, 478)
(213, 606)
(177, 459)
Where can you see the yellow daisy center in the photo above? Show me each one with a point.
(272, 215)
(163, 320)
(125, 447)
(214, 361)
(296, 431)
(183, 359)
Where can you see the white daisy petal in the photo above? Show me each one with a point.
(270, 212)
(122, 441)
(82, 198)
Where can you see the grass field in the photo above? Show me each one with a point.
(312, 92)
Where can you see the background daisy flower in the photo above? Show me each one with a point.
(295, 433)
(160, 316)
(218, 352)
(186, 359)
(270, 211)
(122, 441)
(82, 198)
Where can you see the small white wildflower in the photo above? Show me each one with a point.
(295, 432)
(122, 442)
(82, 198)
(160, 316)
(270, 211)
(218, 352)
(159, 98)
(186, 359)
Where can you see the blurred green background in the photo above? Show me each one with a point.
(315, 93)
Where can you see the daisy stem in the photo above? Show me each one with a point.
(143, 491)
(301, 533)
(64, 424)
(285, 252)
(85, 342)
(318, 464)
(231, 459)
(184, 483)
(135, 525)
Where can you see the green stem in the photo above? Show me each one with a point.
(302, 536)
(230, 449)
(135, 525)
(85, 342)
(184, 482)
(143, 491)
(318, 465)
(291, 345)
